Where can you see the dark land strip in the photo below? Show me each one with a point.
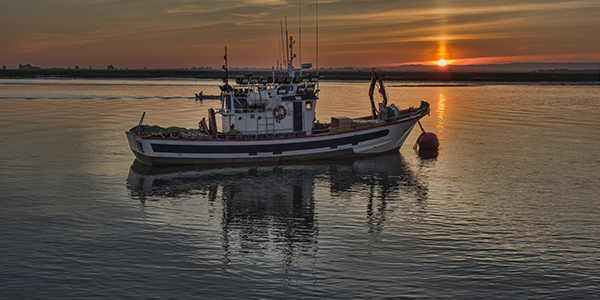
(438, 76)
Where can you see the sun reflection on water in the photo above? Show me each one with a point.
(441, 109)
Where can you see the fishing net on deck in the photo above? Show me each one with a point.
(170, 132)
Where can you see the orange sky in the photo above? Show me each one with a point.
(188, 33)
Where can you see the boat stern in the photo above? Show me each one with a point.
(137, 146)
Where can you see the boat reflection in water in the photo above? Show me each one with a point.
(273, 207)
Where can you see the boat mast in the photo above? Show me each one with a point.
(278, 57)
(292, 55)
(317, 37)
(287, 50)
(290, 51)
(300, 33)
(226, 79)
(281, 50)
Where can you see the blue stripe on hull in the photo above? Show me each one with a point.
(331, 155)
(295, 145)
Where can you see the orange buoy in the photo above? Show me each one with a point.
(428, 140)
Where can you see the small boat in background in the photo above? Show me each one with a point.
(272, 119)
(200, 96)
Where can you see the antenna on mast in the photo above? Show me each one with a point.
(281, 50)
(300, 33)
(287, 50)
(225, 79)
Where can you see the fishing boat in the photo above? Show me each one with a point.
(272, 119)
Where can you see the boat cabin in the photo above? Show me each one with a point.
(268, 107)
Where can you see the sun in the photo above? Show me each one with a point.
(441, 63)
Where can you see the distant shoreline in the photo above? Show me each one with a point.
(410, 76)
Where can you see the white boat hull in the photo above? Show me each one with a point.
(387, 137)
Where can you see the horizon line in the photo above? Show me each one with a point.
(416, 64)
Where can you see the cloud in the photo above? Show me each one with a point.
(254, 16)
(355, 28)
(266, 2)
(225, 7)
(408, 15)
(52, 41)
(466, 22)
(188, 9)
(103, 1)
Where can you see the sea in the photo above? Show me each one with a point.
(507, 208)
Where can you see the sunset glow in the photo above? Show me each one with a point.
(441, 63)
(190, 33)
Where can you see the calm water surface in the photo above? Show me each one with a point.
(509, 208)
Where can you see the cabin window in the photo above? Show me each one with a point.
(308, 105)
